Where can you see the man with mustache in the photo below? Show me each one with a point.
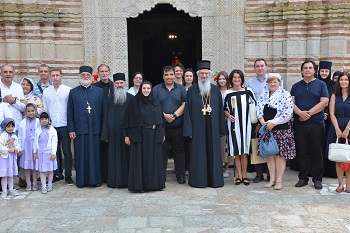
(113, 132)
(84, 120)
(204, 123)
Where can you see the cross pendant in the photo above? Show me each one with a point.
(204, 110)
(89, 108)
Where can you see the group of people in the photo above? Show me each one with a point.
(123, 137)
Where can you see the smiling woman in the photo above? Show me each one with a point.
(30, 96)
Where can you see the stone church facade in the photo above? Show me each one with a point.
(70, 33)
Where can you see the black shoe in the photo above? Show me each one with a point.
(258, 178)
(69, 180)
(318, 184)
(301, 183)
(181, 179)
(56, 178)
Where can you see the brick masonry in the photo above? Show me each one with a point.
(283, 32)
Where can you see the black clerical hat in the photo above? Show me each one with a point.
(118, 76)
(85, 69)
(325, 65)
(203, 64)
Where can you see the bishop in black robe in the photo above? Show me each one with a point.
(113, 132)
(84, 120)
(204, 131)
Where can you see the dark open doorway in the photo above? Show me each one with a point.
(161, 37)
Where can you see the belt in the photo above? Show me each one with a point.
(151, 127)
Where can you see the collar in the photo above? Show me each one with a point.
(174, 86)
(263, 79)
(50, 84)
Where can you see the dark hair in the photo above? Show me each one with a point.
(260, 59)
(179, 65)
(194, 76)
(230, 77)
(11, 123)
(136, 73)
(30, 83)
(338, 91)
(336, 74)
(223, 73)
(313, 64)
(30, 105)
(168, 68)
(44, 65)
(44, 115)
(103, 65)
(146, 82)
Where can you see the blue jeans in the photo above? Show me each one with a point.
(63, 138)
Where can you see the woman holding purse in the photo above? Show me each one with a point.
(275, 109)
(339, 110)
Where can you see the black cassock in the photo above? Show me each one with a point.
(113, 132)
(84, 117)
(205, 165)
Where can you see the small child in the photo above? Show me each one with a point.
(45, 147)
(26, 134)
(8, 157)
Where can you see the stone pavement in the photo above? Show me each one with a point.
(180, 208)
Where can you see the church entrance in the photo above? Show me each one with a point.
(163, 36)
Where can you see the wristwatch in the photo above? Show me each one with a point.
(14, 101)
(174, 115)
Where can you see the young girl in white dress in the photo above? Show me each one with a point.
(45, 147)
(8, 157)
(26, 133)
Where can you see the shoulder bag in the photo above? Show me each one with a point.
(267, 145)
(339, 152)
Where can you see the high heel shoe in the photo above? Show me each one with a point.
(270, 184)
(278, 185)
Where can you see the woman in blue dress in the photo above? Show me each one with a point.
(339, 109)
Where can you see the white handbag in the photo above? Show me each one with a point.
(339, 152)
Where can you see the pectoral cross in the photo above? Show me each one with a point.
(204, 110)
(88, 108)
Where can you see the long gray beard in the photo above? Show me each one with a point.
(120, 95)
(204, 87)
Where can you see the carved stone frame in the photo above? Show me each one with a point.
(105, 30)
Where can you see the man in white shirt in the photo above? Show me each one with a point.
(55, 101)
(12, 93)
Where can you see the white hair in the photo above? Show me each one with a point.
(120, 95)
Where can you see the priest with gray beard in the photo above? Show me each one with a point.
(204, 123)
(113, 132)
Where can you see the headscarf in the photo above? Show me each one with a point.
(5, 122)
(45, 115)
(31, 82)
(144, 110)
(31, 105)
(281, 100)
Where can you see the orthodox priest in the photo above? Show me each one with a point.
(84, 119)
(113, 132)
(204, 123)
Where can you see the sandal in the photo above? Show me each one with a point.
(340, 189)
(247, 181)
(347, 190)
(238, 181)
(270, 184)
(278, 185)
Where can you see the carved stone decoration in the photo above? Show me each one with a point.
(105, 30)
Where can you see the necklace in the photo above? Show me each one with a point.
(206, 105)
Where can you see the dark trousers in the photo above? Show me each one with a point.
(175, 140)
(63, 138)
(309, 148)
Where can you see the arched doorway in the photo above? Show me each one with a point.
(161, 36)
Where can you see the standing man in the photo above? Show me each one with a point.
(84, 119)
(257, 84)
(113, 132)
(55, 100)
(12, 93)
(44, 82)
(204, 123)
(104, 73)
(172, 97)
(310, 97)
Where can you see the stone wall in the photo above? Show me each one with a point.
(33, 32)
(287, 32)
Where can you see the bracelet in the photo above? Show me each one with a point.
(348, 127)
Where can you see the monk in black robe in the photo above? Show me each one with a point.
(113, 132)
(84, 119)
(204, 123)
(145, 135)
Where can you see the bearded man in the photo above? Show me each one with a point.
(204, 123)
(113, 132)
(84, 119)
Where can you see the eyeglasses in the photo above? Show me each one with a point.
(139, 78)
